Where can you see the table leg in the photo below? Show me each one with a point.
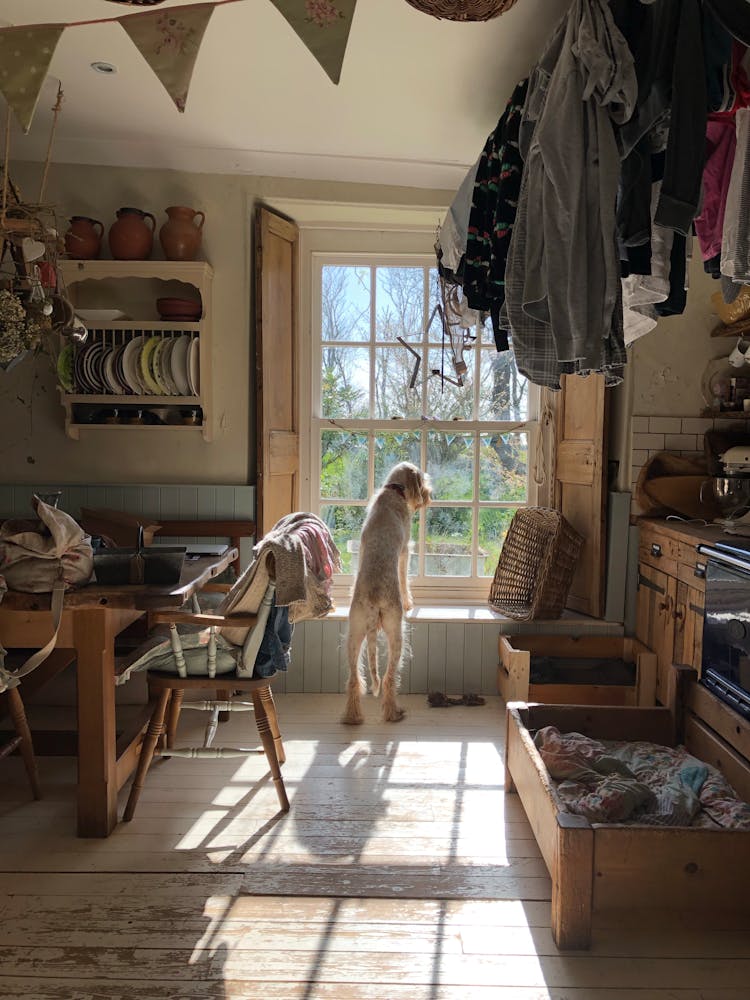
(97, 779)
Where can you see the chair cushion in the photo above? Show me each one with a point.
(195, 651)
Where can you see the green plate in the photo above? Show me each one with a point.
(65, 368)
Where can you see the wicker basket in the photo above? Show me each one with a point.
(463, 10)
(536, 565)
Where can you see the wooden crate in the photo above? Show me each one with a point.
(514, 669)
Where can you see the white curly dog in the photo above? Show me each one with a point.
(381, 592)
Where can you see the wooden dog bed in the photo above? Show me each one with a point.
(599, 867)
(584, 657)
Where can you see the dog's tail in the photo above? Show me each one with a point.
(372, 660)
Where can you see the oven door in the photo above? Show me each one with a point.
(726, 629)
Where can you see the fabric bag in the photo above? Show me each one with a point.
(43, 557)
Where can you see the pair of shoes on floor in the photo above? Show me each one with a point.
(436, 699)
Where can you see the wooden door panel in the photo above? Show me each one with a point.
(277, 411)
(580, 486)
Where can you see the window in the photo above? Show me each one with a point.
(376, 401)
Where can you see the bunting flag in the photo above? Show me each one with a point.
(169, 41)
(25, 54)
(323, 25)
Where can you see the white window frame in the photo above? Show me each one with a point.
(392, 244)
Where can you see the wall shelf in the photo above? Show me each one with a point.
(133, 286)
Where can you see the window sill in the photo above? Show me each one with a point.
(570, 621)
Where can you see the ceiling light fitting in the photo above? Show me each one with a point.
(104, 67)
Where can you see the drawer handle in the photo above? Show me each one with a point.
(655, 549)
(700, 570)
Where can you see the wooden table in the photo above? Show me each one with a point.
(93, 617)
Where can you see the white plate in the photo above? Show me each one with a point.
(94, 316)
(165, 370)
(130, 359)
(178, 365)
(108, 371)
(194, 367)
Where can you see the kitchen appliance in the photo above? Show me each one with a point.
(731, 490)
(726, 629)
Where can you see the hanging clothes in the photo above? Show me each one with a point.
(721, 146)
(563, 292)
(735, 249)
(492, 215)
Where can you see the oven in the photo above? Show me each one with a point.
(726, 630)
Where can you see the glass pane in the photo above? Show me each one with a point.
(503, 467)
(450, 463)
(345, 303)
(394, 367)
(446, 401)
(390, 449)
(448, 543)
(345, 382)
(435, 331)
(345, 524)
(399, 303)
(503, 393)
(343, 465)
(493, 527)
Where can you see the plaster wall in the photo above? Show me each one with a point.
(33, 445)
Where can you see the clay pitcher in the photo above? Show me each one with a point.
(131, 237)
(181, 234)
(83, 241)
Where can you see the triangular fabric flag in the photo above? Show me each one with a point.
(323, 25)
(26, 51)
(169, 41)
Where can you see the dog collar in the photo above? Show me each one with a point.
(397, 486)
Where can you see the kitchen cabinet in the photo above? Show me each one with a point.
(671, 596)
(175, 397)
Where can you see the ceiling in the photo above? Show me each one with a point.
(415, 103)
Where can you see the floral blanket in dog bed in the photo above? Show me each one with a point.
(610, 781)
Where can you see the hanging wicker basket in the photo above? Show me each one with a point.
(536, 565)
(463, 10)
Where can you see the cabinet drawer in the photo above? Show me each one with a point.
(693, 574)
(654, 553)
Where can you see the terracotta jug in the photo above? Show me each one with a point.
(131, 238)
(83, 241)
(181, 234)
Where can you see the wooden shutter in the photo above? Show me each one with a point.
(277, 375)
(580, 483)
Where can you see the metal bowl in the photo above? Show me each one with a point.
(731, 492)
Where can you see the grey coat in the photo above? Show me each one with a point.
(563, 276)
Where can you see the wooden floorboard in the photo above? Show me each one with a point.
(401, 872)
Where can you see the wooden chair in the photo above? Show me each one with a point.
(22, 740)
(168, 687)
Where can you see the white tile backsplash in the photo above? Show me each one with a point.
(665, 425)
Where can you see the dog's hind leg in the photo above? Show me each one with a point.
(372, 661)
(392, 712)
(355, 685)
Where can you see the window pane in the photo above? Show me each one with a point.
(345, 388)
(394, 367)
(493, 527)
(345, 302)
(503, 468)
(399, 303)
(450, 463)
(435, 331)
(503, 393)
(390, 449)
(446, 401)
(448, 543)
(343, 466)
(345, 524)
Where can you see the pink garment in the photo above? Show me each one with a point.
(721, 143)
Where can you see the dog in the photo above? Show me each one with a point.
(381, 592)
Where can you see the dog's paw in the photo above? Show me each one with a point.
(408, 605)
(393, 713)
(353, 719)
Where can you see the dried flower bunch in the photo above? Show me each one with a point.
(20, 331)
